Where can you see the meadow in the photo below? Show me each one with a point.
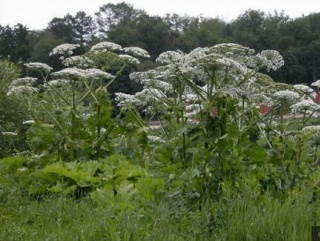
(79, 163)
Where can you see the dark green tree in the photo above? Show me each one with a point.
(14, 43)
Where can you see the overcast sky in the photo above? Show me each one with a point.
(36, 14)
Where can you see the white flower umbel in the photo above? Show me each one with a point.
(7, 133)
(231, 50)
(156, 139)
(107, 46)
(137, 52)
(129, 59)
(39, 66)
(316, 83)
(27, 81)
(268, 59)
(311, 129)
(169, 57)
(124, 99)
(158, 84)
(306, 90)
(261, 99)
(190, 97)
(305, 106)
(98, 74)
(274, 59)
(28, 122)
(19, 91)
(64, 49)
(79, 61)
(57, 83)
(286, 95)
(73, 73)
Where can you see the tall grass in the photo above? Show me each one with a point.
(246, 218)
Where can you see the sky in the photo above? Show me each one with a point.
(36, 14)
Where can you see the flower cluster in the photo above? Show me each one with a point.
(228, 69)
(155, 139)
(73, 73)
(57, 83)
(19, 91)
(97, 74)
(129, 59)
(76, 73)
(107, 46)
(306, 90)
(137, 52)
(9, 133)
(125, 99)
(316, 83)
(158, 84)
(64, 49)
(313, 131)
(26, 81)
(307, 106)
(273, 59)
(286, 95)
(169, 57)
(39, 66)
(268, 59)
(231, 50)
(28, 122)
(79, 61)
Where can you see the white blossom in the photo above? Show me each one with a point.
(169, 57)
(129, 59)
(27, 81)
(137, 52)
(305, 106)
(269, 59)
(97, 74)
(70, 73)
(21, 90)
(39, 66)
(193, 107)
(58, 83)
(125, 99)
(106, 46)
(191, 114)
(313, 131)
(314, 128)
(28, 122)
(79, 61)
(231, 49)
(155, 139)
(190, 97)
(7, 133)
(64, 49)
(286, 95)
(316, 83)
(306, 90)
(158, 84)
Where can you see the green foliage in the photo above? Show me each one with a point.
(211, 163)
(12, 113)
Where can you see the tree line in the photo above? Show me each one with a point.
(297, 40)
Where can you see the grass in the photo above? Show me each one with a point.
(248, 218)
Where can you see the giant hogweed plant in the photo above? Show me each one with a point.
(71, 107)
(207, 103)
(71, 128)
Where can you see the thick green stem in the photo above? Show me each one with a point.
(73, 121)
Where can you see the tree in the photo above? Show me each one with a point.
(110, 15)
(73, 29)
(13, 43)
